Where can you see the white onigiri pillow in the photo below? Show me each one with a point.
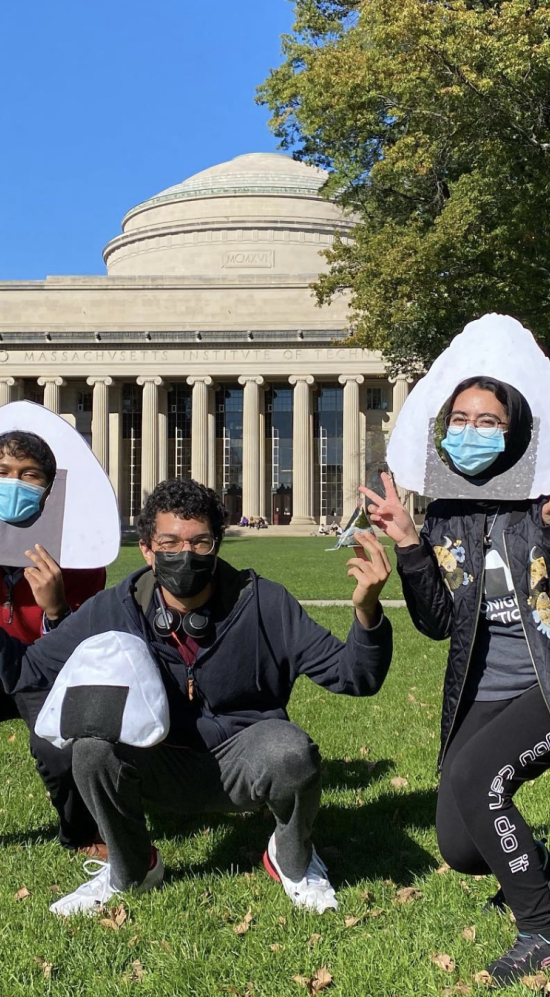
(110, 688)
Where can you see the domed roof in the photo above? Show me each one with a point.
(253, 173)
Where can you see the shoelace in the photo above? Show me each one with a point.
(522, 949)
(94, 873)
(316, 872)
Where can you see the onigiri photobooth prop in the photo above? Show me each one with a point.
(496, 346)
(79, 524)
(110, 688)
(358, 523)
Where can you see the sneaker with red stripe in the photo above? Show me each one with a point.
(312, 891)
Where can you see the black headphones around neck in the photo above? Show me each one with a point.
(197, 623)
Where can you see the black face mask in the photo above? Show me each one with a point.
(185, 574)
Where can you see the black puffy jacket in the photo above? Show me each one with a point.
(443, 585)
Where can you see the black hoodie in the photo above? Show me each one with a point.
(244, 673)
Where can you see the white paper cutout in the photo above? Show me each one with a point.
(91, 522)
(495, 346)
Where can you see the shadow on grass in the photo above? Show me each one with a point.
(354, 774)
(366, 841)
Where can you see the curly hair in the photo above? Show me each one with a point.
(186, 500)
(21, 444)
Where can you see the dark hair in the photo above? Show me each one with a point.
(186, 500)
(20, 445)
(520, 422)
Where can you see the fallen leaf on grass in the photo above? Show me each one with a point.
(365, 895)
(469, 934)
(320, 980)
(407, 895)
(399, 782)
(276, 947)
(117, 916)
(375, 912)
(46, 967)
(411, 698)
(133, 941)
(137, 972)
(22, 894)
(244, 925)
(54, 888)
(483, 979)
(536, 982)
(313, 940)
(443, 961)
(363, 751)
(166, 946)
(443, 869)
(350, 922)
(282, 919)
(459, 988)
(11, 738)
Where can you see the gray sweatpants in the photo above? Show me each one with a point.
(272, 762)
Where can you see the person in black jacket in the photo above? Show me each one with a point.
(479, 575)
(229, 645)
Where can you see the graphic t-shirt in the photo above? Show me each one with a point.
(501, 666)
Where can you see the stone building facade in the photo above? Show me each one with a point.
(202, 352)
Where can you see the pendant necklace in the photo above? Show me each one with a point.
(487, 537)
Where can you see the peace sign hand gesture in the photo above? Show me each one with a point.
(389, 514)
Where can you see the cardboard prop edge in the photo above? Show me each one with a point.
(495, 346)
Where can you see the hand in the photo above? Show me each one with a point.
(546, 513)
(46, 582)
(372, 569)
(389, 514)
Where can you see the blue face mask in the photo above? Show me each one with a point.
(472, 452)
(19, 500)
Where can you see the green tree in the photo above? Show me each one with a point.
(433, 119)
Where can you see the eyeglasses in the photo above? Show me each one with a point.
(486, 425)
(203, 544)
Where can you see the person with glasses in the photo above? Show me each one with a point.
(229, 645)
(478, 574)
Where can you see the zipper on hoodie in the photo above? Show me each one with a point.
(523, 624)
(470, 652)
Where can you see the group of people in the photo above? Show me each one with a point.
(230, 644)
(255, 522)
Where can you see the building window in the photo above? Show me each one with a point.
(229, 448)
(179, 431)
(131, 450)
(376, 399)
(84, 401)
(328, 437)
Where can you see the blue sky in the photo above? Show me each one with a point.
(106, 102)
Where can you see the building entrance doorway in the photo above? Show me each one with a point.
(281, 506)
(233, 501)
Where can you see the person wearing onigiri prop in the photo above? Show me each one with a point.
(478, 573)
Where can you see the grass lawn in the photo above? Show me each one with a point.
(300, 563)
(376, 837)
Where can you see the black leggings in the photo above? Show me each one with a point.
(496, 748)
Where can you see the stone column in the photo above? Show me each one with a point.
(115, 438)
(199, 428)
(212, 436)
(251, 444)
(149, 433)
(100, 418)
(7, 392)
(51, 387)
(302, 451)
(351, 451)
(163, 435)
(400, 395)
(263, 491)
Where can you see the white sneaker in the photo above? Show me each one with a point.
(91, 896)
(313, 891)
